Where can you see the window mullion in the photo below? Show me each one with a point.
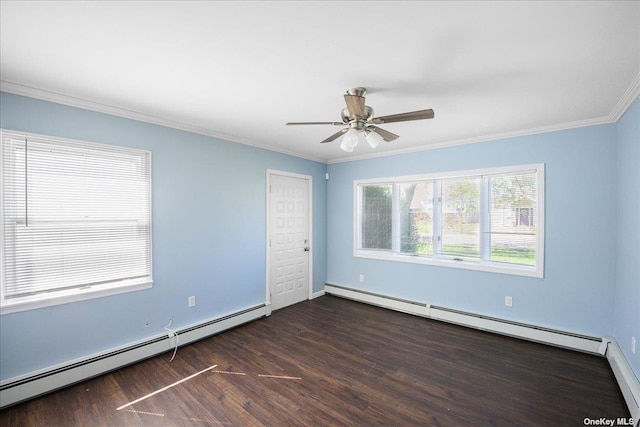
(395, 215)
(485, 218)
(437, 218)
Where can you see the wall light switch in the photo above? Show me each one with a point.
(361, 278)
(192, 301)
(633, 345)
(508, 301)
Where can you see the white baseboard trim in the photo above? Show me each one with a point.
(397, 304)
(627, 380)
(34, 384)
(491, 324)
(535, 333)
(625, 377)
(317, 294)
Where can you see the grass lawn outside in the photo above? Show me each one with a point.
(524, 256)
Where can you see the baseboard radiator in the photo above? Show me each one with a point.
(34, 384)
(627, 381)
(608, 347)
(505, 327)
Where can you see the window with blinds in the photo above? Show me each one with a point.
(489, 219)
(76, 220)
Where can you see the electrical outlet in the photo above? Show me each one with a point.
(633, 345)
(361, 278)
(508, 301)
(192, 301)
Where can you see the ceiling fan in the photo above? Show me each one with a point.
(358, 119)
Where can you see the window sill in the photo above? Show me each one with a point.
(75, 295)
(491, 267)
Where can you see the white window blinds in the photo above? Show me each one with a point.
(75, 216)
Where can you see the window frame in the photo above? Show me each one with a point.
(64, 296)
(483, 263)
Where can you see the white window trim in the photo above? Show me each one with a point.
(480, 265)
(71, 295)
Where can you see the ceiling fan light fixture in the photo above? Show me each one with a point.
(373, 138)
(349, 141)
(362, 137)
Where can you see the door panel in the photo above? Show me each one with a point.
(289, 240)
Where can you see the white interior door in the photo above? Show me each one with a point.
(289, 246)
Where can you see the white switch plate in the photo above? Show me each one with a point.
(361, 278)
(192, 301)
(633, 345)
(508, 301)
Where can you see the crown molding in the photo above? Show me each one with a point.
(627, 99)
(482, 138)
(72, 101)
(630, 95)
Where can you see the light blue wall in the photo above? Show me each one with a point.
(627, 296)
(577, 291)
(208, 236)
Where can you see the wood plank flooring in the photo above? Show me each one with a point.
(335, 362)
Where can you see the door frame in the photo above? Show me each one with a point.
(309, 179)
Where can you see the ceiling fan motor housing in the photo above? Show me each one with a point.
(357, 122)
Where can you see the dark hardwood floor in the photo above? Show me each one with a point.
(335, 362)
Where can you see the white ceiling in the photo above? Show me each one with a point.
(240, 70)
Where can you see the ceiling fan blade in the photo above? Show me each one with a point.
(355, 105)
(386, 135)
(315, 123)
(335, 135)
(404, 117)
